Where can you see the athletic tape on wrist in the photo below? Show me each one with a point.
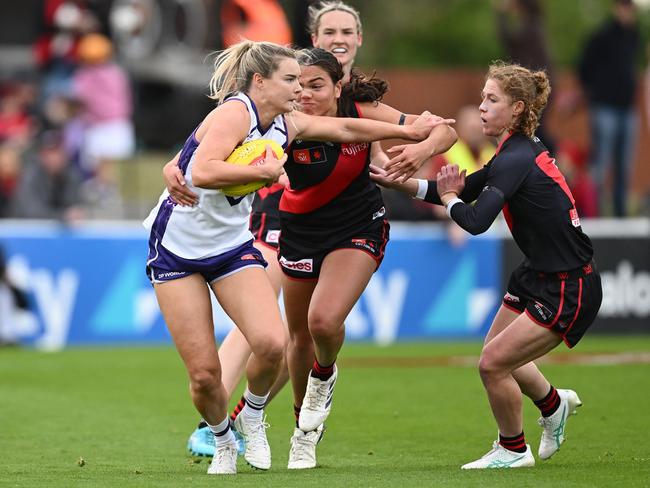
(423, 187)
(451, 204)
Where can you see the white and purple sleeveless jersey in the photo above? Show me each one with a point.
(218, 223)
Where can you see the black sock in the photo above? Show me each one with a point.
(322, 372)
(550, 403)
(515, 444)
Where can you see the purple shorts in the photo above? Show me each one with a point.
(163, 265)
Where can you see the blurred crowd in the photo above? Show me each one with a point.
(64, 127)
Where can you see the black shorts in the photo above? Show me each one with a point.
(264, 222)
(303, 261)
(564, 302)
(266, 228)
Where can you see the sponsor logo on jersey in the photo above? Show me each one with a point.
(511, 298)
(310, 155)
(573, 215)
(354, 148)
(379, 213)
(273, 236)
(304, 265)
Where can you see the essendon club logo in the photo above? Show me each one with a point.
(573, 215)
(310, 155)
(304, 265)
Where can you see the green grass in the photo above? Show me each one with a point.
(127, 413)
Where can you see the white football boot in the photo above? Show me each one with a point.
(302, 454)
(500, 457)
(225, 459)
(258, 452)
(553, 433)
(317, 403)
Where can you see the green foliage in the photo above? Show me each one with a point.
(426, 33)
(121, 417)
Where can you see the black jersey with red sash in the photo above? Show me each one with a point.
(523, 180)
(267, 200)
(331, 195)
(264, 222)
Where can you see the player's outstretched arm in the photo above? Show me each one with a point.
(343, 129)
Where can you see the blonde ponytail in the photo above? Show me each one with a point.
(234, 67)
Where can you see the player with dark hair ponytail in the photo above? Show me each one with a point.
(327, 261)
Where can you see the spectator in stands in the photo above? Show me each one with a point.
(16, 123)
(10, 167)
(55, 51)
(50, 188)
(607, 71)
(521, 29)
(572, 161)
(103, 89)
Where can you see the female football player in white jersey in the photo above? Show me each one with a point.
(256, 86)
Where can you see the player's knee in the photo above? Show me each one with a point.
(271, 350)
(323, 326)
(487, 365)
(204, 379)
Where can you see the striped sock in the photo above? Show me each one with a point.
(515, 444)
(237, 409)
(222, 431)
(254, 404)
(549, 404)
(322, 372)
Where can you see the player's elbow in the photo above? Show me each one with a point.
(200, 176)
(476, 228)
(450, 138)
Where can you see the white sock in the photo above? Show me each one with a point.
(222, 431)
(254, 407)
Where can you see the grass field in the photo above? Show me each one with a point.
(401, 417)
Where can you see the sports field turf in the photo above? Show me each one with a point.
(402, 417)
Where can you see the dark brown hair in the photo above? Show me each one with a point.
(360, 88)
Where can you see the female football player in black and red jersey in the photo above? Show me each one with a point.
(555, 294)
(333, 236)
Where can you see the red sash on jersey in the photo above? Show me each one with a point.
(349, 165)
